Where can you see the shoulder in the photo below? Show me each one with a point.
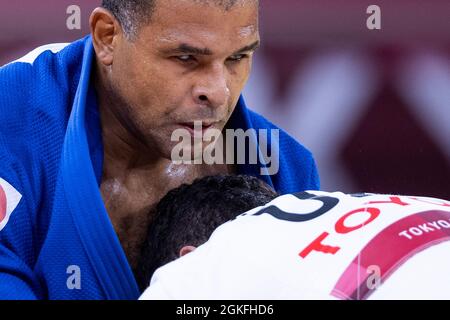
(297, 167)
(45, 63)
(36, 94)
(37, 91)
(40, 76)
(286, 141)
(33, 55)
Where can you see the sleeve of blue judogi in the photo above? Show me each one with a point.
(20, 186)
(17, 233)
(15, 277)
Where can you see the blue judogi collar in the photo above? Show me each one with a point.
(86, 205)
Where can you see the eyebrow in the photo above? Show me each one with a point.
(249, 48)
(188, 49)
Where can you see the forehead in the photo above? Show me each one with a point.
(202, 23)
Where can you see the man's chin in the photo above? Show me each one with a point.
(192, 153)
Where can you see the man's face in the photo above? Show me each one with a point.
(190, 63)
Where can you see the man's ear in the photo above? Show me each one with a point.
(186, 249)
(105, 30)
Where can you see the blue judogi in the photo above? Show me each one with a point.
(56, 239)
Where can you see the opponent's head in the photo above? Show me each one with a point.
(187, 216)
(168, 63)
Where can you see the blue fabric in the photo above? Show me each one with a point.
(51, 153)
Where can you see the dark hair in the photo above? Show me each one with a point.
(189, 214)
(132, 14)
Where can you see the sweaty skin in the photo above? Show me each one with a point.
(189, 63)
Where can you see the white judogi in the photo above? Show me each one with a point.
(347, 247)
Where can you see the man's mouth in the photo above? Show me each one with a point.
(199, 126)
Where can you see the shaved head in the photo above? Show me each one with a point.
(132, 14)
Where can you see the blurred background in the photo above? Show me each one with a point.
(372, 105)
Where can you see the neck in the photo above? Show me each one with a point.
(122, 146)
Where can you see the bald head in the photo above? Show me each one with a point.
(132, 14)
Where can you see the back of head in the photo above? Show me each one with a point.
(189, 214)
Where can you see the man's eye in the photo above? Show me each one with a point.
(237, 57)
(185, 58)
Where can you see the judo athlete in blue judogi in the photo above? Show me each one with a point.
(85, 139)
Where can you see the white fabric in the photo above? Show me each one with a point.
(9, 199)
(33, 55)
(257, 256)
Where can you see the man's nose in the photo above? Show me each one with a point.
(212, 88)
